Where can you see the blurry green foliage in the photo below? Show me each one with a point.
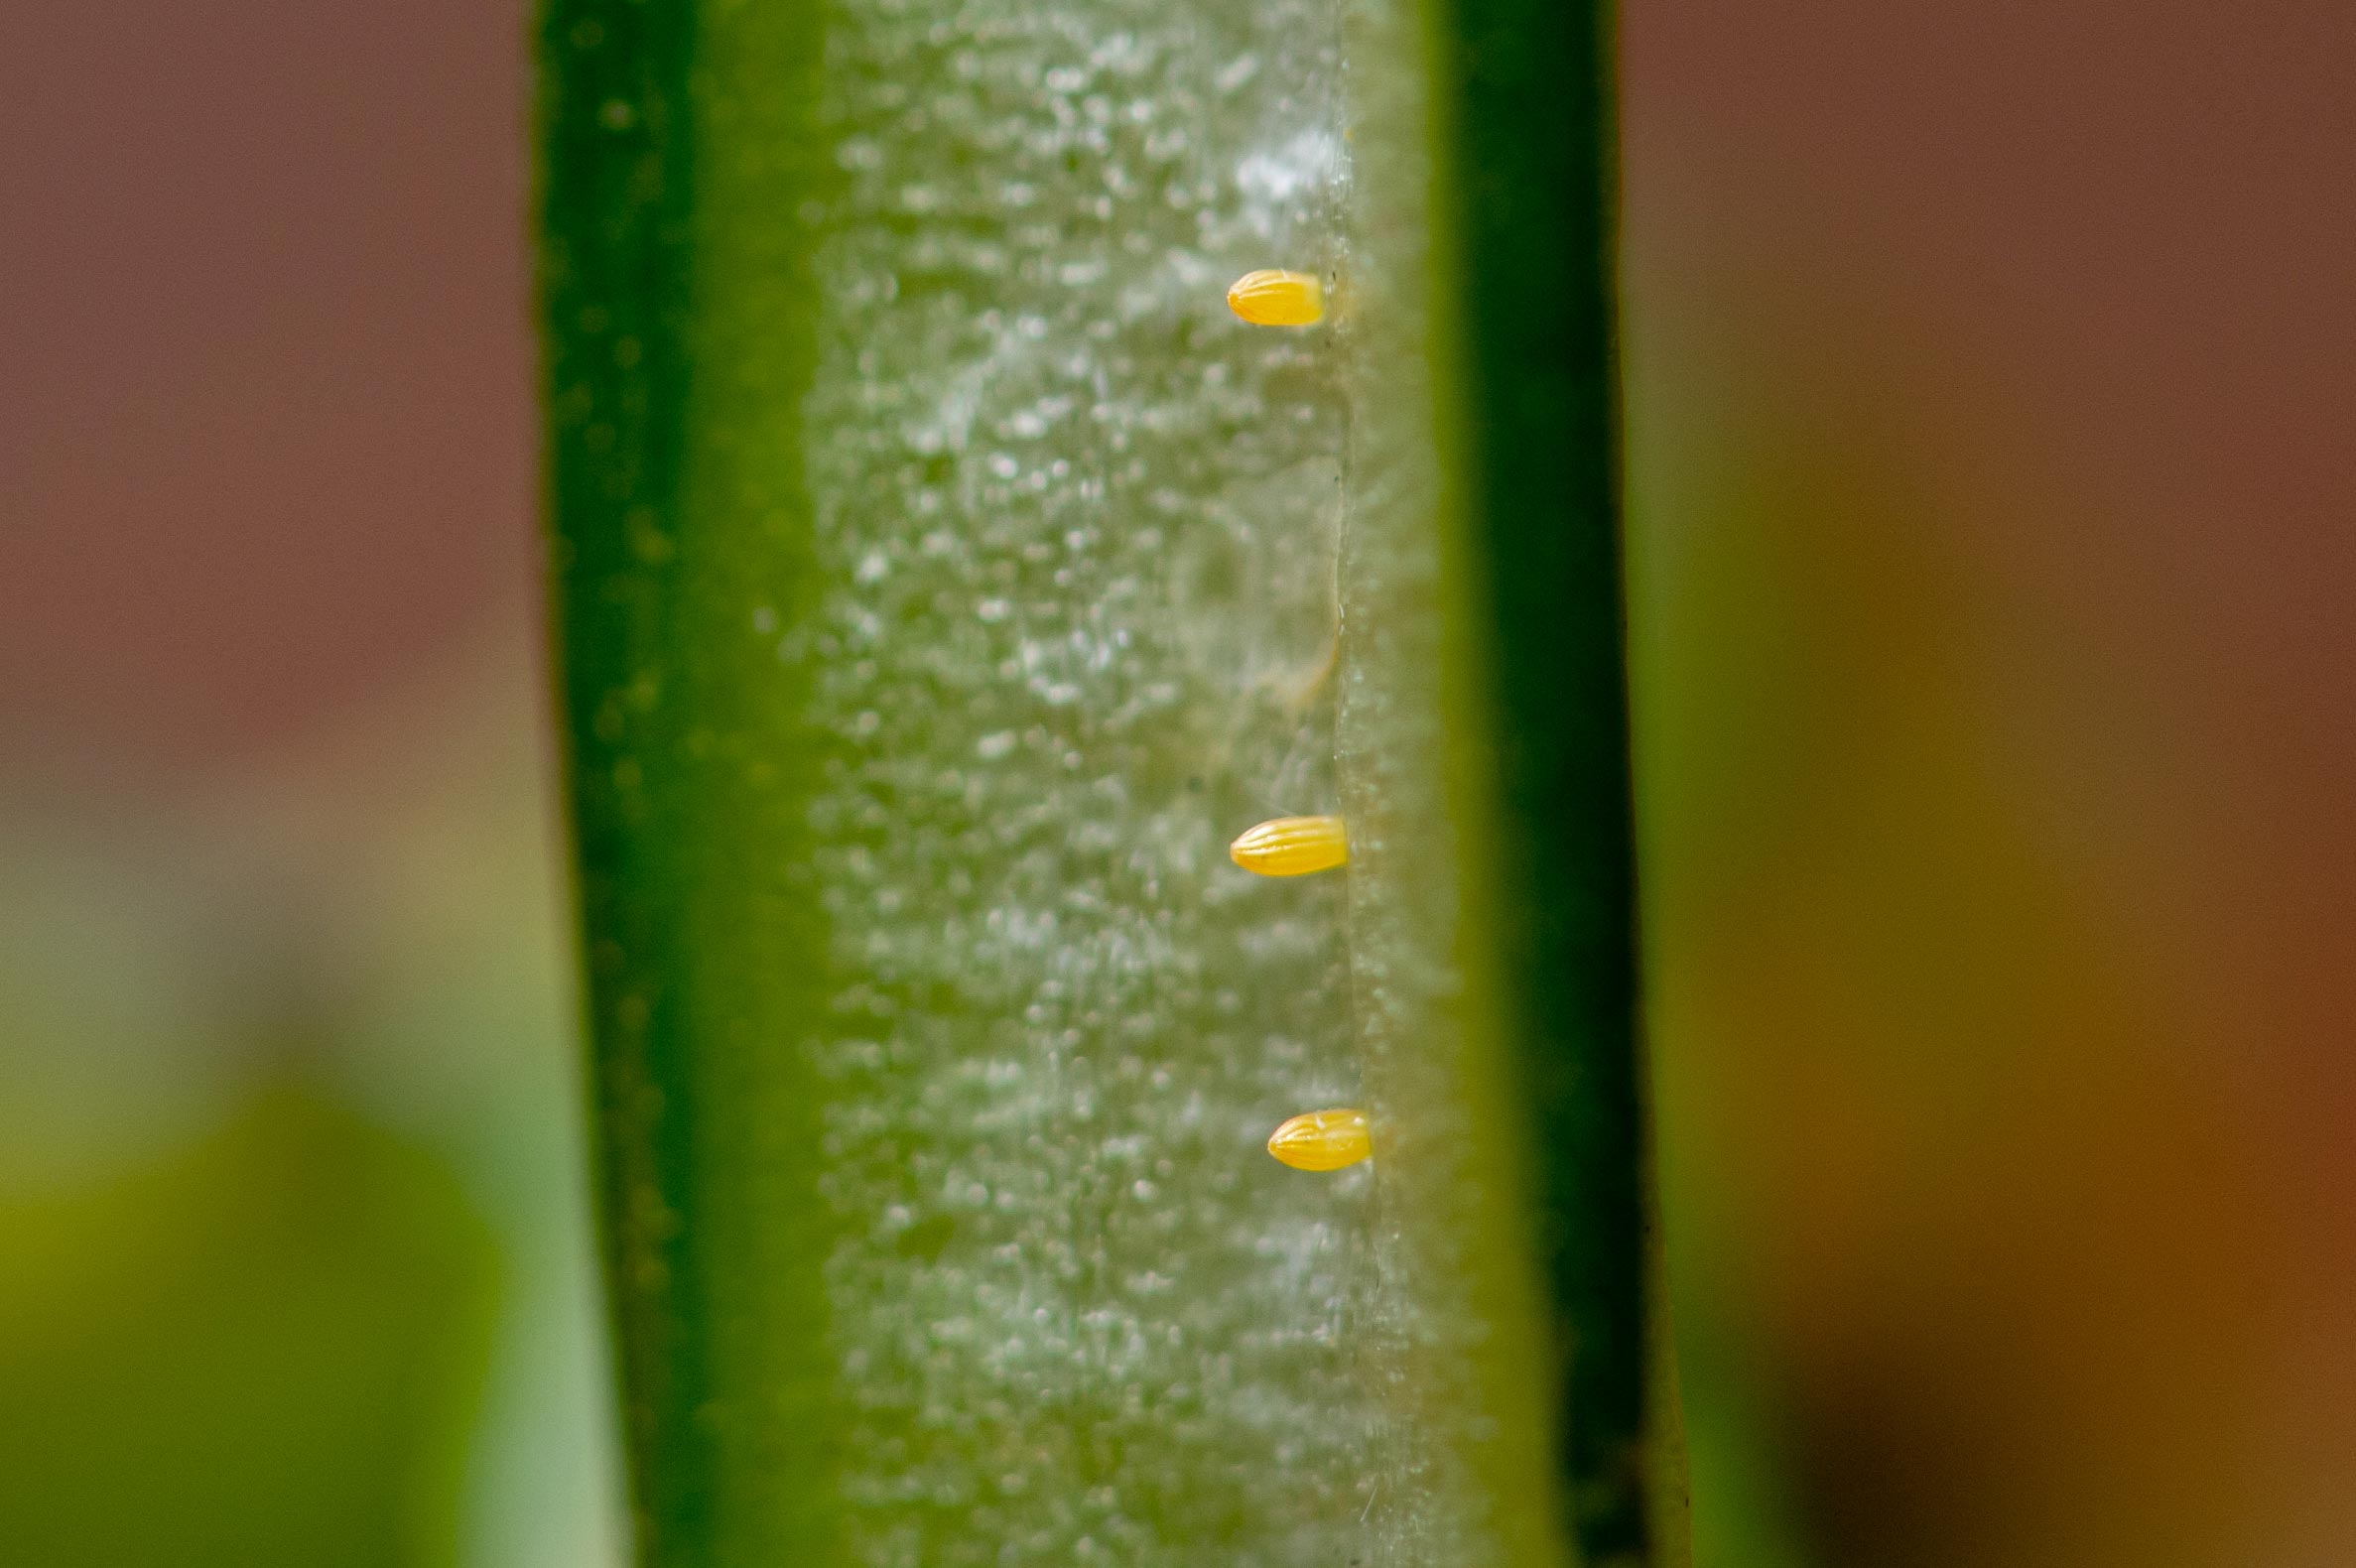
(263, 1348)
(293, 1269)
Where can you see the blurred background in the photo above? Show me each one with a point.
(292, 1263)
(1990, 379)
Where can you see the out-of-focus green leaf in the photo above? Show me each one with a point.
(262, 1350)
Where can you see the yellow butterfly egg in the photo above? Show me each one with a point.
(1292, 847)
(1275, 298)
(1322, 1140)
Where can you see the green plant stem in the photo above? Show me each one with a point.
(940, 580)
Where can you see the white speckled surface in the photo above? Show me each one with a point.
(1076, 1298)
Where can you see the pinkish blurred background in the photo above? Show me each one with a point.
(1991, 540)
(1992, 543)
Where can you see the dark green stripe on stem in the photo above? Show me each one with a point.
(674, 364)
(1533, 188)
